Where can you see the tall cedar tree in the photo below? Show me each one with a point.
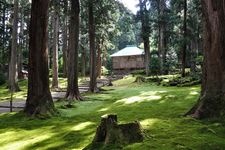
(212, 100)
(13, 71)
(99, 58)
(92, 86)
(21, 44)
(162, 46)
(145, 33)
(39, 100)
(184, 48)
(72, 88)
(65, 38)
(55, 80)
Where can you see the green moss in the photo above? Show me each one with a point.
(159, 109)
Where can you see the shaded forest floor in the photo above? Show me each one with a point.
(159, 109)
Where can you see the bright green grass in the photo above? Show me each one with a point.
(159, 109)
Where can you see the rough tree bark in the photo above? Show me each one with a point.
(72, 88)
(145, 34)
(93, 85)
(21, 45)
(83, 61)
(55, 80)
(147, 55)
(39, 100)
(212, 100)
(65, 39)
(193, 53)
(4, 32)
(99, 59)
(184, 47)
(162, 38)
(13, 70)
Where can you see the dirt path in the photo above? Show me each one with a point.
(19, 104)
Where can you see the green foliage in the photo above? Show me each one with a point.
(171, 64)
(199, 60)
(155, 65)
(6, 16)
(109, 65)
(105, 71)
(183, 81)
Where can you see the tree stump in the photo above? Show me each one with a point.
(140, 79)
(109, 132)
(110, 82)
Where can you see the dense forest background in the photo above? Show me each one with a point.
(173, 28)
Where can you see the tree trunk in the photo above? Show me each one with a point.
(99, 60)
(4, 32)
(184, 48)
(193, 51)
(55, 81)
(50, 39)
(212, 100)
(72, 88)
(145, 34)
(162, 38)
(13, 72)
(39, 100)
(27, 34)
(93, 85)
(83, 62)
(21, 45)
(147, 55)
(65, 40)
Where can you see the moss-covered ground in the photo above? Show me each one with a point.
(159, 109)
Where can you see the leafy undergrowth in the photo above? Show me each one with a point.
(159, 109)
(174, 80)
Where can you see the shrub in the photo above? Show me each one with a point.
(154, 65)
(186, 81)
(105, 71)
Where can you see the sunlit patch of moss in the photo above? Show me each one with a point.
(147, 123)
(20, 144)
(127, 80)
(81, 126)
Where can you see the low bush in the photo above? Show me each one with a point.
(183, 82)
